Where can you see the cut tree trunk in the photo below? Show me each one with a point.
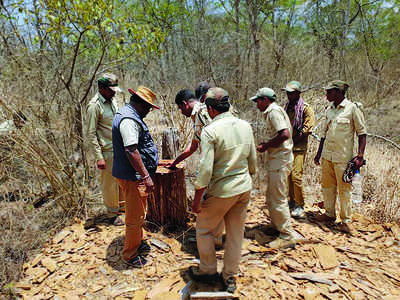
(168, 206)
(170, 143)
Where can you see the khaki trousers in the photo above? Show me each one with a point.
(332, 185)
(111, 192)
(295, 180)
(276, 200)
(214, 210)
(136, 207)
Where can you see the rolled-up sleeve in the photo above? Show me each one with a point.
(206, 160)
(252, 160)
(359, 122)
(93, 142)
(325, 126)
(277, 120)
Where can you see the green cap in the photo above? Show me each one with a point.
(216, 96)
(337, 84)
(293, 86)
(111, 81)
(264, 92)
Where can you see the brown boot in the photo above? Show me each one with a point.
(325, 218)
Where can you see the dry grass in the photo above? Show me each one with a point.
(23, 231)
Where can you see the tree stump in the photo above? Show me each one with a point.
(170, 143)
(167, 206)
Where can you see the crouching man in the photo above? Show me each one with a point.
(228, 159)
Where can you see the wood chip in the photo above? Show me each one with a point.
(140, 295)
(49, 264)
(164, 286)
(373, 236)
(358, 258)
(310, 294)
(61, 236)
(314, 277)
(212, 296)
(396, 232)
(160, 245)
(326, 255)
(40, 275)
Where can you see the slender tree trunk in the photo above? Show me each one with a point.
(237, 79)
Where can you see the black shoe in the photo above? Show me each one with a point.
(144, 248)
(229, 284)
(292, 204)
(137, 262)
(195, 274)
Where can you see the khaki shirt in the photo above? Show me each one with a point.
(308, 124)
(276, 120)
(200, 119)
(100, 114)
(339, 128)
(228, 157)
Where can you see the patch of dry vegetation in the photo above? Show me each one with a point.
(24, 230)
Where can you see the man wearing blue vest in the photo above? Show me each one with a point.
(135, 161)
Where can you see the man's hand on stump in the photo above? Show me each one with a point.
(172, 166)
(148, 182)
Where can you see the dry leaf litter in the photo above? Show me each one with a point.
(84, 263)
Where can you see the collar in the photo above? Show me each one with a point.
(196, 108)
(344, 103)
(223, 115)
(270, 107)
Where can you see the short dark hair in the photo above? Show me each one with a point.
(184, 95)
(221, 108)
(202, 89)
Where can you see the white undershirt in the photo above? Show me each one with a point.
(130, 131)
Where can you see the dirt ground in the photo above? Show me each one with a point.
(83, 262)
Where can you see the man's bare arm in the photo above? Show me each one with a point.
(282, 136)
(136, 161)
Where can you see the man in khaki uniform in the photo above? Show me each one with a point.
(343, 120)
(279, 146)
(228, 158)
(301, 117)
(190, 107)
(100, 113)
